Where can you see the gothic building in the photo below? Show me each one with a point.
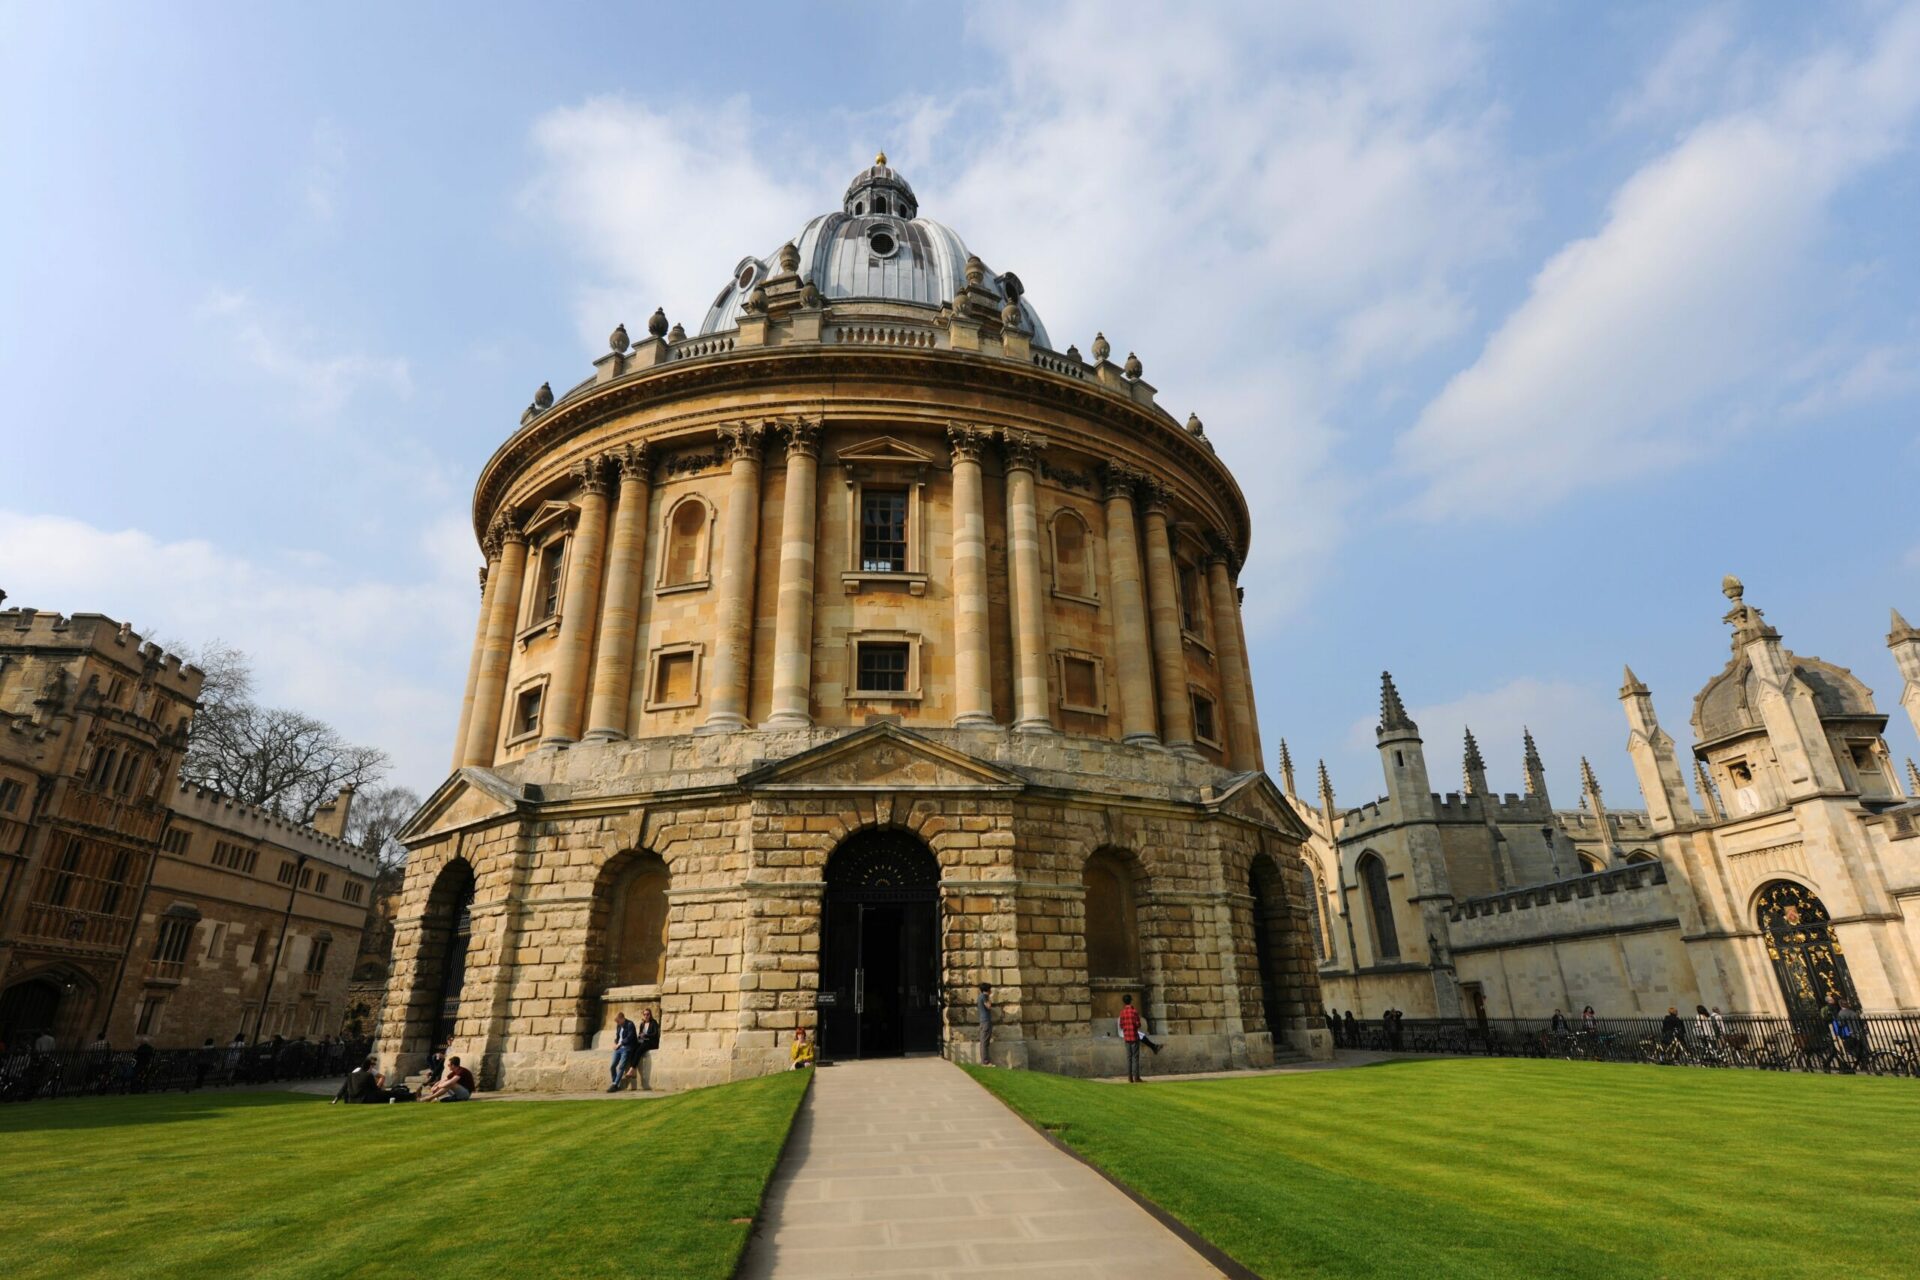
(1790, 870)
(853, 651)
(130, 902)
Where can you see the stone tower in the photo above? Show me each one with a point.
(1654, 762)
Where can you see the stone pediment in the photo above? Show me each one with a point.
(1256, 799)
(886, 449)
(468, 798)
(881, 758)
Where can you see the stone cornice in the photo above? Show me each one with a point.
(806, 368)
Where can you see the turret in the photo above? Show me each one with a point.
(1784, 701)
(1536, 772)
(1590, 796)
(1662, 785)
(1402, 758)
(1904, 640)
(1473, 769)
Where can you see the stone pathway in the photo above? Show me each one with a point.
(908, 1168)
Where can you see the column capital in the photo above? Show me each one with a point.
(508, 526)
(591, 475)
(1156, 496)
(967, 440)
(1022, 449)
(803, 438)
(1119, 481)
(740, 440)
(1221, 551)
(634, 462)
(483, 578)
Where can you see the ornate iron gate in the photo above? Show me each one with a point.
(1806, 955)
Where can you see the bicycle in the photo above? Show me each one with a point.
(1901, 1060)
(1667, 1054)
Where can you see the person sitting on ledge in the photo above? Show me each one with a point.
(455, 1086)
(802, 1051)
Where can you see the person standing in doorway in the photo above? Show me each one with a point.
(625, 1040)
(1130, 1034)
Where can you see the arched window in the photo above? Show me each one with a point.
(1072, 567)
(637, 923)
(1373, 883)
(1316, 914)
(1113, 934)
(1637, 856)
(685, 546)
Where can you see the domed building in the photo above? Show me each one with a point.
(850, 653)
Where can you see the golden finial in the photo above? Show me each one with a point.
(880, 159)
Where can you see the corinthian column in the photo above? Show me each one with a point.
(483, 733)
(972, 669)
(620, 614)
(1031, 714)
(1234, 674)
(1132, 651)
(1169, 655)
(492, 549)
(793, 622)
(579, 608)
(733, 636)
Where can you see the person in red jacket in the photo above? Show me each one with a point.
(1130, 1027)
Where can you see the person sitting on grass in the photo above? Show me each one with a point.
(365, 1084)
(801, 1054)
(455, 1086)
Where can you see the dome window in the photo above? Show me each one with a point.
(880, 204)
(859, 207)
(746, 277)
(881, 242)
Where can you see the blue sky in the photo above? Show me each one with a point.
(1521, 325)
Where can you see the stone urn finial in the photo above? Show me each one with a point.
(1073, 354)
(1010, 314)
(1101, 348)
(1133, 367)
(618, 339)
(789, 258)
(976, 271)
(1732, 588)
(657, 322)
(677, 334)
(1193, 425)
(543, 398)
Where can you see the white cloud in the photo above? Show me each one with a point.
(369, 657)
(1633, 341)
(282, 349)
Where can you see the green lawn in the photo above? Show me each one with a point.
(266, 1184)
(1514, 1168)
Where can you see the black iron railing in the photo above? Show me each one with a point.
(1876, 1045)
(27, 1075)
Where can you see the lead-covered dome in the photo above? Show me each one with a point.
(877, 246)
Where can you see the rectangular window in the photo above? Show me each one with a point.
(883, 668)
(170, 946)
(1204, 727)
(353, 891)
(259, 948)
(673, 678)
(1190, 615)
(306, 877)
(317, 957)
(320, 883)
(526, 711)
(10, 793)
(216, 940)
(116, 881)
(149, 1021)
(546, 601)
(235, 857)
(319, 1020)
(288, 873)
(883, 530)
(1079, 682)
(176, 840)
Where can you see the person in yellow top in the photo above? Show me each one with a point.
(802, 1051)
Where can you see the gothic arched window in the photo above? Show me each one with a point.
(1373, 883)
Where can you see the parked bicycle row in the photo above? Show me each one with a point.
(29, 1072)
(1835, 1040)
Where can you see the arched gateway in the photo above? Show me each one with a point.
(880, 947)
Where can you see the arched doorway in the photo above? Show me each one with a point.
(1805, 952)
(880, 947)
(1269, 928)
(445, 935)
(28, 1008)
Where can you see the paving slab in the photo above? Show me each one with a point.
(907, 1168)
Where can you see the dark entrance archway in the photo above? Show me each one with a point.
(880, 947)
(447, 930)
(28, 1008)
(1269, 928)
(1805, 953)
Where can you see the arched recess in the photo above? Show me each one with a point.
(880, 989)
(627, 936)
(1112, 882)
(1805, 950)
(686, 543)
(1636, 857)
(1270, 924)
(440, 972)
(1591, 865)
(1072, 554)
(56, 999)
(1372, 873)
(1316, 912)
